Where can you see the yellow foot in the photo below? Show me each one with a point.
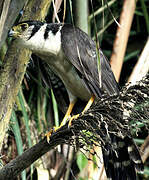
(72, 118)
(48, 134)
(54, 129)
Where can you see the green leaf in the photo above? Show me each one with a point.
(81, 161)
(95, 162)
(55, 109)
(26, 119)
(146, 171)
(80, 178)
(17, 134)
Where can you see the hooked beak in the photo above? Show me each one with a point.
(13, 33)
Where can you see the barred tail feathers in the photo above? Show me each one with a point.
(121, 159)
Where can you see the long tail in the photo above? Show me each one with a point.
(122, 159)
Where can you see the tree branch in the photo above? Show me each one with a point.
(16, 166)
(122, 35)
(103, 116)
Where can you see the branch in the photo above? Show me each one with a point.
(122, 35)
(142, 66)
(23, 161)
(145, 149)
(103, 116)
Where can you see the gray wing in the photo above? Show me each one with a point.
(80, 50)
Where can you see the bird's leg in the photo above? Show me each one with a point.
(67, 115)
(90, 102)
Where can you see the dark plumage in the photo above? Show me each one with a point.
(121, 163)
(71, 55)
(84, 57)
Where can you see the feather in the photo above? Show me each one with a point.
(83, 56)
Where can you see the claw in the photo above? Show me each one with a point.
(54, 129)
(90, 102)
(48, 135)
(67, 115)
(72, 118)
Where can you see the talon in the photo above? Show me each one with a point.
(54, 129)
(48, 135)
(72, 118)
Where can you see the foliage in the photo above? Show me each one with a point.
(36, 110)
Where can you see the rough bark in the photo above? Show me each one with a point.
(9, 11)
(16, 166)
(14, 66)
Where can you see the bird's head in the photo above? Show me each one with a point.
(37, 36)
(26, 30)
(19, 31)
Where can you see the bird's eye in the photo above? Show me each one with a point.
(24, 26)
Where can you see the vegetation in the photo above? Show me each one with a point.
(31, 108)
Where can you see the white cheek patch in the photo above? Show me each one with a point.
(37, 42)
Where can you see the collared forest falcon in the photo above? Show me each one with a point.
(71, 55)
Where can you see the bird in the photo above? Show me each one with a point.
(86, 74)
